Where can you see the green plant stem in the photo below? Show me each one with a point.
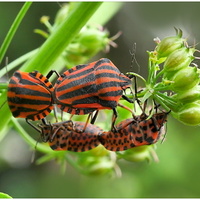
(152, 72)
(166, 101)
(159, 74)
(149, 70)
(161, 102)
(61, 37)
(168, 98)
(5, 112)
(160, 86)
(109, 8)
(13, 29)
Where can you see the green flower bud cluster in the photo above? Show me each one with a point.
(100, 161)
(139, 154)
(90, 40)
(181, 77)
(86, 44)
(97, 161)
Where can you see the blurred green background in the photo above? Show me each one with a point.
(177, 172)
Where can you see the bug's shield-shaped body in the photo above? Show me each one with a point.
(29, 95)
(134, 132)
(86, 88)
(68, 135)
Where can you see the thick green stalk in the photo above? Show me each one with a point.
(109, 9)
(4, 112)
(61, 37)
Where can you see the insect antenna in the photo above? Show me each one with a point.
(133, 57)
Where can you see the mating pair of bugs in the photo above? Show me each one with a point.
(129, 133)
(82, 89)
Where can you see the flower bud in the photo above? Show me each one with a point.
(102, 166)
(93, 38)
(185, 79)
(188, 96)
(97, 161)
(99, 151)
(86, 44)
(169, 45)
(136, 154)
(179, 59)
(169, 75)
(189, 114)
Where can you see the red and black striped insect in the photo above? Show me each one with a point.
(134, 132)
(70, 136)
(30, 95)
(86, 88)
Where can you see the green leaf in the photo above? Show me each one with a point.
(13, 29)
(4, 196)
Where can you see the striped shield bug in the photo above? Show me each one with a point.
(69, 136)
(86, 88)
(134, 132)
(30, 95)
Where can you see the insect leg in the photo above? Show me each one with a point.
(125, 107)
(114, 117)
(127, 99)
(33, 126)
(93, 119)
(51, 73)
